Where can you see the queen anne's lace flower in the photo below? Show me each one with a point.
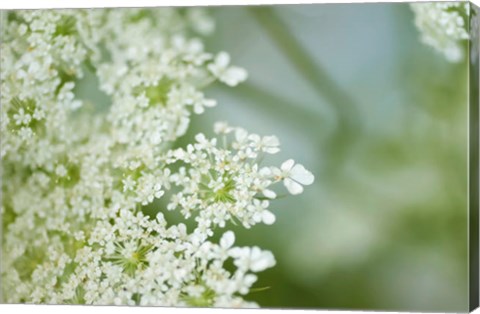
(293, 176)
(443, 25)
(80, 178)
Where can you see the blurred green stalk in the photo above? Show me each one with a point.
(348, 125)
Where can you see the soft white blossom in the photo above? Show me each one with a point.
(442, 26)
(253, 258)
(294, 176)
(81, 221)
(230, 75)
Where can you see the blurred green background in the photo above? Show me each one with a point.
(381, 121)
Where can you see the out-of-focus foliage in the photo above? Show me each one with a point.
(385, 227)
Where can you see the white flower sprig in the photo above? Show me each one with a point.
(443, 26)
(78, 177)
(226, 182)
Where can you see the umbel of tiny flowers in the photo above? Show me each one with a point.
(77, 179)
(443, 26)
(222, 179)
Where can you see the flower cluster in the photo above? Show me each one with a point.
(443, 26)
(222, 180)
(79, 173)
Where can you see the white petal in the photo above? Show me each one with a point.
(209, 102)
(301, 175)
(250, 279)
(182, 126)
(270, 194)
(287, 165)
(227, 240)
(268, 217)
(257, 217)
(233, 76)
(200, 137)
(198, 108)
(222, 60)
(271, 150)
(265, 171)
(276, 172)
(254, 253)
(293, 187)
(271, 140)
(214, 69)
(254, 137)
(238, 253)
(182, 229)
(261, 260)
(240, 135)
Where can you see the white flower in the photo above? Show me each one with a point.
(294, 176)
(244, 282)
(261, 213)
(253, 259)
(232, 75)
(199, 102)
(268, 144)
(128, 184)
(203, 142)
(269, 194)
(38, 114)
(442, 27)
(61, 171)
(227, 240)
(268, 217)
(22, 117)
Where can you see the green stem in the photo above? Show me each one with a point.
(348, 127)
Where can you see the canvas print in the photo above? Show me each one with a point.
(309, 156)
